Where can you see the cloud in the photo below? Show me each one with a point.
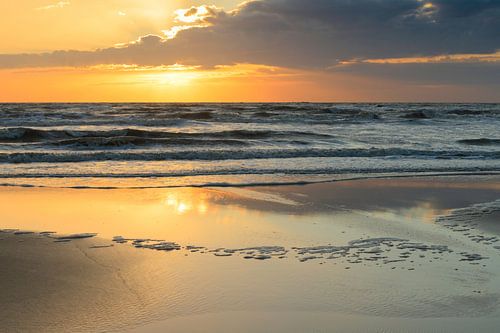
(452, 58)
(315, 34)
(194, 17)
(59, 4)
(433, 73)
(200, 14)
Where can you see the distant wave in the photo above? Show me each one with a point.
(135, 136)
(121, 141)
(480, 142)
(175, 115)
(222, 154)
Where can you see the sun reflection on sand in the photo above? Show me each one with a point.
(182, 205)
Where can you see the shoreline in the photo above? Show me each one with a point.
(249, 185)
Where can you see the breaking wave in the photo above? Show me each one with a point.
(222, 154)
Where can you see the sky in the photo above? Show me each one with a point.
(256, 50)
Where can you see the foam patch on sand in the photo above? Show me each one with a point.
(146, 243)
(465, 221)
(382, 251)
(256, 252)
(377, 252)
(50, 234)
(396, 252)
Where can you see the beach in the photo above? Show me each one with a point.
(401, 254)
(250, 166)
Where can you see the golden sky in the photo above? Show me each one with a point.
(46, 25)
(268, 50)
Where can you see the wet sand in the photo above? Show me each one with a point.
(417, 254)
(65, 287)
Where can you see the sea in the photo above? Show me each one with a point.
(115, 145)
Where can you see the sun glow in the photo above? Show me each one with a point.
(177, 82)
(172, 32)
(181, 205)
(176, 78)
(195, 14)
(194, 17)
(181, 75)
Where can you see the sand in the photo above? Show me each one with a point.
(409, 255)
(50, 286)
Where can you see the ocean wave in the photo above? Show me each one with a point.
(124, 141)
(474, 112)
(166, 114)
(224, 154)
(416, 115)
(252, 171)
(28, 134)
(480, 142)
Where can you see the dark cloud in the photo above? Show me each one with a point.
(465, 74)
(305, 34)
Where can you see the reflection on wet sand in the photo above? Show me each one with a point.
(291, 215)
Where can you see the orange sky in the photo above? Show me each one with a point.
(45, 25)
(238, 83)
